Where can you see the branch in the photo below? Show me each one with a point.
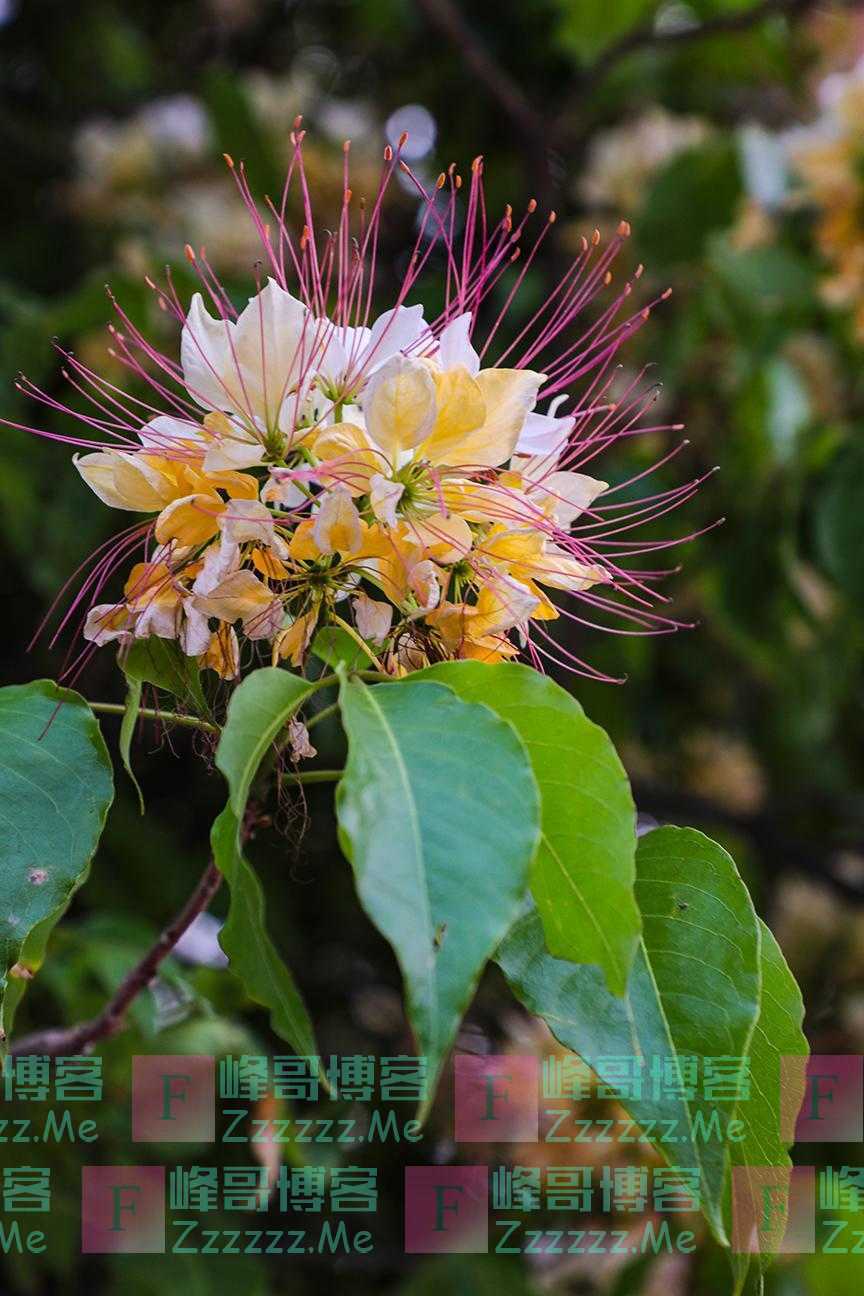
(75, 1039)
(152, 713)
(649, 37)
(503, 88)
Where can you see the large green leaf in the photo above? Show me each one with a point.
(693, 992)
(259, 709)
(55, 789)
(770, 1107)
(439, 815)
(162, 663)
(582, 875)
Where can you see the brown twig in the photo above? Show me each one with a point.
(502, 87)
(555, 133)
(71, 1040)
(649, 37)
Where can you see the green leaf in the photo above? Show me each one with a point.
(693, 991)
(587, 28)
(704, 182)
(162, 663)
(840, 523)
(127, 730)
(582, 875)
(55, 789)
(253, 957)
(259, 709)
(439, 814)
(468, 1275)
(335, 647)
(770, 1108)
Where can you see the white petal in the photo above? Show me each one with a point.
(219, 561)
(168, 433)
(391, 333)
(157, 618)
(384, 495)
(284, 491)
(543, 435)
(195, 633)
(246, 519)
(209, 368)
(107, 621)
(275, 335)
(343, 345)
(454, 345)
(233, 452)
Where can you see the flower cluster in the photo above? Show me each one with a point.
(310, 463)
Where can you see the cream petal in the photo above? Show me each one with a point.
(570, 494)
(219, 561)
(400, 405)
(337, 527)
(372, 617)
(561, 571)
(123, 481)
(510, 395)
(247, 519)
(237, 597)
(423, 579)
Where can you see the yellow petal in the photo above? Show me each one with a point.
(268, 564)
(513, 545)
(238, 597)
(125, 481)
(347, 459)
(223, 654)
(509, 395)
(337, 439)
(302, 544)
(489, 649)
(445, 539)
(150, 583)
(337, 527)
(236, 485)
(293, 642)
(461, 409)
(190, 521)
